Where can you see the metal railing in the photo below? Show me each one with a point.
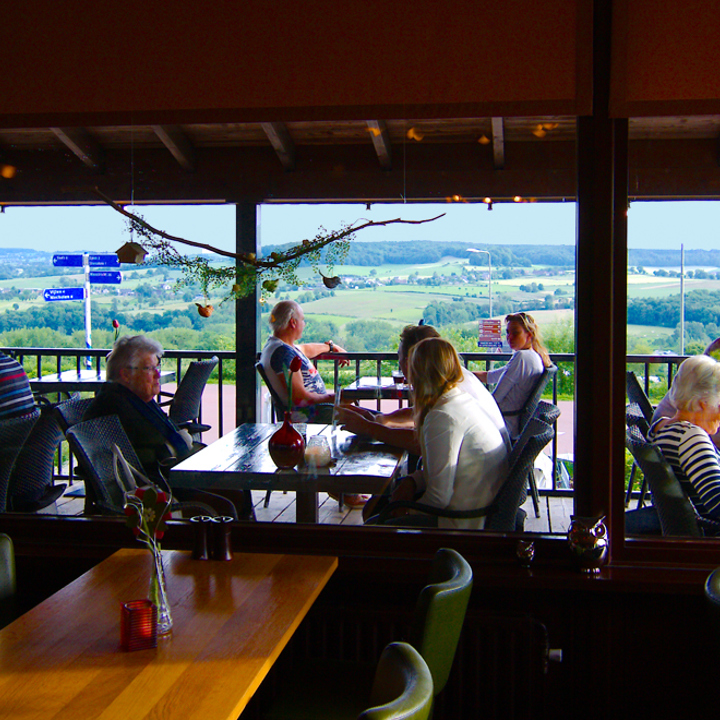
(366, 363)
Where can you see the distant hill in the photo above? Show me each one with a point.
(671, 258)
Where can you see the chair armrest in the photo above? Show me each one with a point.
(431, 510)
(165, 393)
(193, 427)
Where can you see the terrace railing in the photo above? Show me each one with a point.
(44, 361)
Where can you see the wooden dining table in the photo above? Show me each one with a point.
(241, 460)
(63, 659)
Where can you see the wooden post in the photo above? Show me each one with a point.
(601, 303)
(247, 322)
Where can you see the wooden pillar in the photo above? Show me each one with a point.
(601, 303)
(247, 322)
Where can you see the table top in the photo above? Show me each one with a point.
(371, 388)
(231, 621)
(241, 459)
(84, 380)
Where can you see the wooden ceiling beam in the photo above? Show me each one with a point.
(381, 140)
(498, 140)
(279, 137)
(177, 142)
(83, 145)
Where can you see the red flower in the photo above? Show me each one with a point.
(295, 364)
(116, 324)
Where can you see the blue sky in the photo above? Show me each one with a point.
(101, 229)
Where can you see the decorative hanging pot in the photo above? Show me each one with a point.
(286, 445)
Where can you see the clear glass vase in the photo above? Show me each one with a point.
(158, 593)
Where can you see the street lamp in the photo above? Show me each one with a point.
(487, 252)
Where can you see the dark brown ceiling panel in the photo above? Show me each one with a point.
(129, 62)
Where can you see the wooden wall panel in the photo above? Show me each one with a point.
(184, 60)
(665, 58)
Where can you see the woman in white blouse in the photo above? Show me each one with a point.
(464, 456)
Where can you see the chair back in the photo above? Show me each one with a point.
(278, 406)
(8, 583)
(31, 480)
(637, 395)
(13, 434)
(503, 513)
(677, 514)
(634, 417)
(403, 686)
(712, 597)
(185, 404)
(440, 613)
(7, 567)
(71, 411)
(92, 443)
(527, 411)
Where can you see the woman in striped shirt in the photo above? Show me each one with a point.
(684, 438)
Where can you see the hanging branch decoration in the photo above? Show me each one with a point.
(247, 270)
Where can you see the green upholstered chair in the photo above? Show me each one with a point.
(440, 613)
(437, 624)
(7, 580)
(403, 686)
(712, 596)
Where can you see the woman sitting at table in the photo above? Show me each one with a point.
(464, 455)
(516, 380)
(133, 383)
(684, 439)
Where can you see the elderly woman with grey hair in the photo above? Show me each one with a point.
(133, 383)
(684, 438)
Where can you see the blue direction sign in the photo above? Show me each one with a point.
(106, 276)
(71, 293)
(67, 260)
(94, 260)
(104, 260)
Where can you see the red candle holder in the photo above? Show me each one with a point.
(138, 625)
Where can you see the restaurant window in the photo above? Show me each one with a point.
(673, 275)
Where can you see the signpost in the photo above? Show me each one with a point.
(490, 335)
(71, 293)
(85, 261)
(107, 277)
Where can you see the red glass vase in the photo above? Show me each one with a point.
(286, 445)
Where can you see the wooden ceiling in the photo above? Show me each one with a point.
(424, 159)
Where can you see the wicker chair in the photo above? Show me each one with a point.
(184, 404)
(92, 443)
(676, 513)
(525, 414)
(31, 486)
(13, 434)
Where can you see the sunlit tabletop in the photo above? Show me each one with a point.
(231, 621)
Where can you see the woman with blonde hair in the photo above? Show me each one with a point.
(684, 439)
(464, 455)
(515, 381)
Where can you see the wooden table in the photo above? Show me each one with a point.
(241, 459)
(231, 621)
(374, 388)
(80, 381)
